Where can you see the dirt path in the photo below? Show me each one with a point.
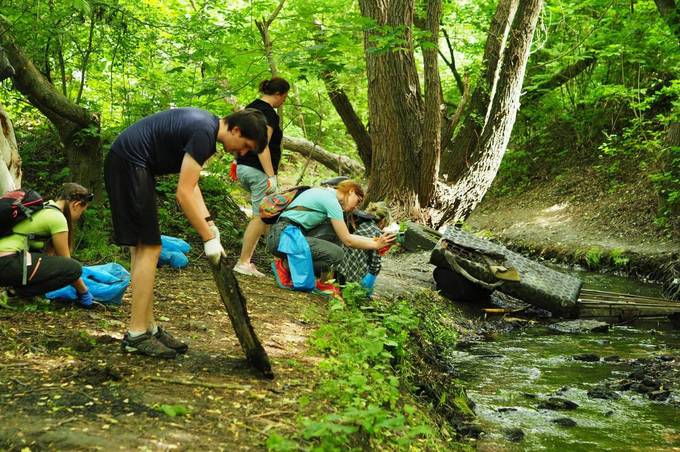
(64, 384)
(572, 215)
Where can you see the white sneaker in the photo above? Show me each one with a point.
(247, 269)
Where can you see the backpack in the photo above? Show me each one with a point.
(272, 206)
(16, 206)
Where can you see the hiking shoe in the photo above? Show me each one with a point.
(248, 269)
(282, 274)
(146, 344)
(328, 289)
(170, 341)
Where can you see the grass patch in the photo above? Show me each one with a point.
(368, 395)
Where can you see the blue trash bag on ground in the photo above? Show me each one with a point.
(300, 264)
(173, 252)
(107, 284)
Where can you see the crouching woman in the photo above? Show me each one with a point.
(36, 257)
(318, 212)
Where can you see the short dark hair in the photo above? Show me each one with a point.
(253, 126)
(276, 85)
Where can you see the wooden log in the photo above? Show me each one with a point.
(235, 302)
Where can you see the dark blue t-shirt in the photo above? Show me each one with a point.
(159, 142)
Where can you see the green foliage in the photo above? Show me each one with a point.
(363, 342)
(617, 258)
(216, 193)
(613, 116)
(593, 257)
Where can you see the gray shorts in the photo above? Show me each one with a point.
(255, 182)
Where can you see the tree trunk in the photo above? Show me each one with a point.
(669, 11)
(343, 106)
(669, 161)
(339, 163)
(431, 151)
(355, 127)
(483, 163)
(6, 69)
(455, 154)
(77, 127)
(10, 162)
(263, 27)
(560, 78)
(395, 105)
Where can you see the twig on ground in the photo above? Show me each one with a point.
(197, 383)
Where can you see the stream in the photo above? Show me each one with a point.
(509, 379)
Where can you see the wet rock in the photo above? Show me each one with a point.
(579, 327)
(589, 357)
(557, 403)
(642, 388)
(624, 385)
(470, 430)
(659, 396)
(464, 345)
(603, 392)
(529, 395)
(609, 413)
(612, 359)
(514, 434)
(651, 382)
(565, 422)
(637, 374)
(666, 358)
(506, 409)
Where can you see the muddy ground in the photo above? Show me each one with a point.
(64, 383)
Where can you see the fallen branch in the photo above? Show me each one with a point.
(341, 164)
(178, 381)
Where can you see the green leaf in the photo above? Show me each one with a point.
(173, 410)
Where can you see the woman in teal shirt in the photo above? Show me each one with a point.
(319, 213)
(42, 246)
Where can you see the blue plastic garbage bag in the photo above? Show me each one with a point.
(300, 264)
(107, 284)
(175, 244)
(173, 252)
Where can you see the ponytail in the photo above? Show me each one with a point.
(276, 85)
(71, 191)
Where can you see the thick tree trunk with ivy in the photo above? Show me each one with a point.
(482, 164)
(10, 162)
(78, 128)
(395, 105)
(456, 154)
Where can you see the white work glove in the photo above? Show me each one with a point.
(272, 184)
(214, 230)
(213, 250)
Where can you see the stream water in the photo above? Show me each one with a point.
(508, 379)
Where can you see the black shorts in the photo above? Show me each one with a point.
(132, 194)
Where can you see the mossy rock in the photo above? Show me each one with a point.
(419, 238)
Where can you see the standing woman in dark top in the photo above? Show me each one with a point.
(257, 173)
